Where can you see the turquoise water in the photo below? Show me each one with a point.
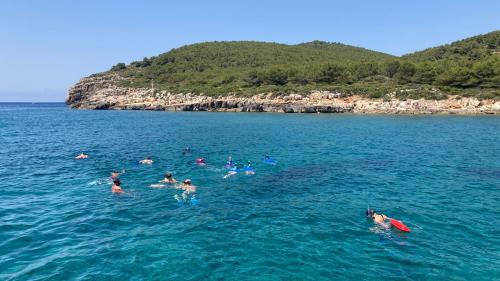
(302, 219)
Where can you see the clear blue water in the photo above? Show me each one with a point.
(302, 219)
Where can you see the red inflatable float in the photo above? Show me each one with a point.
(399, 225)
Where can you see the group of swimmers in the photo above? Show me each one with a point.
(189, 189)
(186, 186)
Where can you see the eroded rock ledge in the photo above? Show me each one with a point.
(101, 92)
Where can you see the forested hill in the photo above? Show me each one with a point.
(473, 48)
(468, 67)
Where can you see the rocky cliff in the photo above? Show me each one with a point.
(102, 92)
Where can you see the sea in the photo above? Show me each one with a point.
(300, 217)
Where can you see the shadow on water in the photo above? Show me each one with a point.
(493, 173)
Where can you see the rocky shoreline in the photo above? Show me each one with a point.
(101, 92)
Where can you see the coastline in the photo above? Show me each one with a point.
(98, 93)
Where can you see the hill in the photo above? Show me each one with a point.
(466, 64)
(470, 67)
(473, 48)
(247, 68)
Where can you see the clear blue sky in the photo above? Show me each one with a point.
(46, 46)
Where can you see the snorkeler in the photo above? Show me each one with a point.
(200, 161)
(82, 156)
(115, 174)
(169, 178)
(186, 150)
(268, 160)
(386, 221)
(116, 187)
(229, 163)
(147, 161)
(377, 218)
(188, 186)
(249, 169)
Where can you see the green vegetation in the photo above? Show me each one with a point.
(469, 67)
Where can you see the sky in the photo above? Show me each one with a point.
(47, 46)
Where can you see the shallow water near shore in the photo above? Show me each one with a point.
(302, 219)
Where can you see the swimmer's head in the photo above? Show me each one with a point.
(187, 181)
(149, 157)
(168, 175)
(116, 181)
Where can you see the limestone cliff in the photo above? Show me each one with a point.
(102, 92)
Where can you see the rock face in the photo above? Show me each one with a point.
(101, 92)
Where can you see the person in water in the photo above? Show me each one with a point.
(147, 161)
(82, 156)
(169, 178)
(249, 169)
(229, 163)
(377, 218)
(115, 174)
(186, 150)
(188, 187)
(116, 187)
(201, 161)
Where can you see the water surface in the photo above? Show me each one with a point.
(302, 219)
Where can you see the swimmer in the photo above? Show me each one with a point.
(188, 187)
(268, 160)
(82, 156)
(200, 161)
(147, 161)
(116, 186)
(229, 163)
(186, 150)
(115, 174)
(168, 178)
(249, 169)
(377, 218)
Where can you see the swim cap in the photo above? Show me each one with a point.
(187, 181)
